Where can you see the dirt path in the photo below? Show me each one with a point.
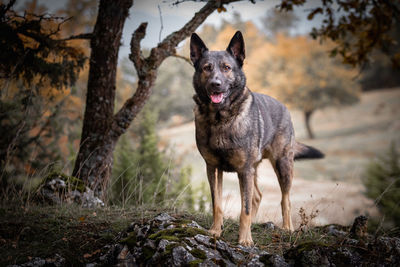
(335, 202)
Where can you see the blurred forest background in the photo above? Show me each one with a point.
(349, 111)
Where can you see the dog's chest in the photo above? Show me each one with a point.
(226, 145)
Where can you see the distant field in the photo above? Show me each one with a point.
(350, 137)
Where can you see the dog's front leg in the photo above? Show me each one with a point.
(246, 192)
(215, 181)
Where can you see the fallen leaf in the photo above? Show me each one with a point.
(88, 255)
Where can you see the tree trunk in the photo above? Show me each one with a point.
(94, 161)
(307, 117)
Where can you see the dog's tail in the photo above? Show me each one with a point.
(306, 152)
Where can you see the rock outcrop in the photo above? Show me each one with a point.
(168, 241)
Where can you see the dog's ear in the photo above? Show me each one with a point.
(197, 48)
(236, 47)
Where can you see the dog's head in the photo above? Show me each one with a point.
(218, 77)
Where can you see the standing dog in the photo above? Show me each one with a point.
(236, 129)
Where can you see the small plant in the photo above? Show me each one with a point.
(382, 183)
(306, 220)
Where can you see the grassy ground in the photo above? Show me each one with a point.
(79, 235)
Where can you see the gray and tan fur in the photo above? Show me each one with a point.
(236, 129)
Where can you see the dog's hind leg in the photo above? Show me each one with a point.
(246, 182)
(215, 180)
(284, 171)
(257, 196)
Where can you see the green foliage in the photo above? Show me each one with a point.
(146, 175)
(382, 182)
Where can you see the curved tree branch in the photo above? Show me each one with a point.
(147, 67)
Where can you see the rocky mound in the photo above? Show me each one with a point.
(168, 241)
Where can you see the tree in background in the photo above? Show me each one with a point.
(299, 72)
(357, 28)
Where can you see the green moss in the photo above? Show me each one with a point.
(195, 231)
(175, 234)
(183, 221)
(130, 240)
(169, 248)
(147, 253)
(198, 253)
(195, 263)
(165, 232)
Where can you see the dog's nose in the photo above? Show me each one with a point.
(216, 83)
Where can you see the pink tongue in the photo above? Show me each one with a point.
(217, 98)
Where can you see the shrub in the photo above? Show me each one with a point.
(382, 182)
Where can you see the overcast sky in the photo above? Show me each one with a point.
(174, 17)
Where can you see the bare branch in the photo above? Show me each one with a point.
(79, 36)
(136, 54)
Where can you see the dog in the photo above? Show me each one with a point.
(236, 129)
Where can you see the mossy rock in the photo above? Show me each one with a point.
(71, 182)
(310, 252)
(175, 234)
(198, 253)
(195, 263)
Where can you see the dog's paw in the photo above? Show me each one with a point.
(215, 232)
(245, 239)
(246, 242)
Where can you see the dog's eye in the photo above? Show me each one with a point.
(207, 68)
(226, 68)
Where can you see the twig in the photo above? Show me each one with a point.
(162, 24)
(79, 36)
(184, 58)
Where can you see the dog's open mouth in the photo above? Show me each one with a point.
(217, 98)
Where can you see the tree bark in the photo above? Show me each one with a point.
(101, 128)
(94, 160)
(307, 117)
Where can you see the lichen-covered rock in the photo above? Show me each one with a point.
(57, 188)
(168, 241)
